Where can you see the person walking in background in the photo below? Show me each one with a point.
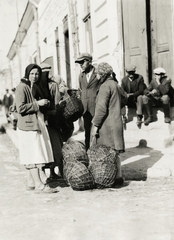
(159, 93)
(12, 109)
(89, 85)
(7, 102)
(133, 84)
(34, 143)
(107, 120)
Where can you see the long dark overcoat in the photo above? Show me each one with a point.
(108, 116)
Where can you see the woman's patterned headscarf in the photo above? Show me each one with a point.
(104, 69)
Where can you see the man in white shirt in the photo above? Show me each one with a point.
(89, 85)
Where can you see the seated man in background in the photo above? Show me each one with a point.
(159, 93)
(133, 84)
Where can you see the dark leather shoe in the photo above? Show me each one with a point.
(147, 121)
(119, 181)
(167, 120)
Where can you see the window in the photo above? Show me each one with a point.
(88, 27)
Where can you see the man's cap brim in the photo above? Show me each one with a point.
(83, 58)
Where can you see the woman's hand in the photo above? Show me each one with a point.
(154, 91)
(43, 102)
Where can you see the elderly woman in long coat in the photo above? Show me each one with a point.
(107, 122)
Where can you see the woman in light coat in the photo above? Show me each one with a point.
(34, 143)
(107, 121)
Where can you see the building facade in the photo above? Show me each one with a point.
(116, 31)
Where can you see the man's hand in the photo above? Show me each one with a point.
(62, 103)
(129, 94)
(154, 91)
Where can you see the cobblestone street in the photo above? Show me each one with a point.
(139, 210)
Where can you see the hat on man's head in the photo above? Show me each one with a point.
(45, 67)
(83, 56)
(159, 71)
(131, 68)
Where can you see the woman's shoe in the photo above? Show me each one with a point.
(30, 188)
(52, 179)
(46, 189)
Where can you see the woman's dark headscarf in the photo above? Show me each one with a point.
(31, 67)
(43, 86)
(35, 89)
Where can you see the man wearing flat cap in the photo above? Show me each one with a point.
(133, 84)
(160, 94)
(89, 85)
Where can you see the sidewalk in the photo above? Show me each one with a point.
(147, 154)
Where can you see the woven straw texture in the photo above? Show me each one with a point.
(78, 176)
(74, 150)
(103, 165)
(104, 174)
(100, 153)
(73, 109)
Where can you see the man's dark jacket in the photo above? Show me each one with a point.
(138, 87)
(89, 90)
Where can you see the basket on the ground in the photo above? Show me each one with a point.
(104, 174)
(78, 176)
(73, 109)
(103, 165)
(75, 150)
(101, 153)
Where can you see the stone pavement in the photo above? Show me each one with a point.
(139, 210)
(149, 150)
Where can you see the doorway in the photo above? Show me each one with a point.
(147, 36)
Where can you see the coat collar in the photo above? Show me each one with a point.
(93, 76)
(26, 81)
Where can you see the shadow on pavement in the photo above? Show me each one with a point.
(137, 160)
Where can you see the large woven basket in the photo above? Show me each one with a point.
(74, 150)
(103, 165)
(100, 153)
(73, 109)
(104, 174)
(78, 176)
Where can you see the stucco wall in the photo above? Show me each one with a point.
(51, 14)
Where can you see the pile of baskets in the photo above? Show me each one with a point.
(83, 170)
